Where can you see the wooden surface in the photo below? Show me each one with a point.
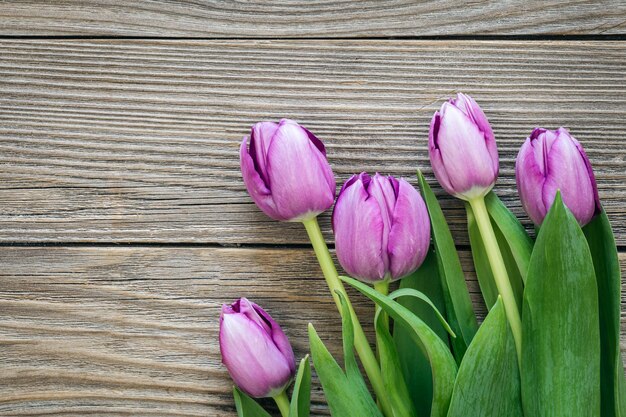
(137, 141)
(124, 223)
(304, 18)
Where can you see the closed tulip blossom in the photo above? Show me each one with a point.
(255, 350)
(462, 149)
(286, 172)
(464, 157)
(552, 160)
(381, 226)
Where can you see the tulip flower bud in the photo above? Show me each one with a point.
(462, 149)
(381, 226)
(286, 171)
(553, 160)
(255, 350)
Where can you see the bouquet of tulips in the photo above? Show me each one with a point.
(549, 345)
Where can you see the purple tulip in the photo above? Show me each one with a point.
(462, 149)
(381, 226)
(286, 171)
(553, 160)
(255, 350)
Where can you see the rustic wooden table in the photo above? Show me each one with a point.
(124, 223)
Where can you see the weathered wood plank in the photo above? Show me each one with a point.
(301, 18)
(137, 141)
(133, 330)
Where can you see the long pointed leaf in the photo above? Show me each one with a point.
(608, 278)
(414, 362)
(560, 330)
(459, 310)
(410, 292)
(395, 386)
(346, 393)
(300, 405)
(488, 382)
(246, 406)
(441, 360)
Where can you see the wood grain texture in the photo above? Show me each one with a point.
(133, 331)
(137, 141)
(302, 18)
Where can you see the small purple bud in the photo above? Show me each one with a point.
(381, 226)
(286, 171)
(552, 160)
(462, 149)
(255, 350)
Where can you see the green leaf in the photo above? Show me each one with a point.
(608, 278)
(459, 311)
(414, 362)
(488, 382)
(418, 295)
(346, 393)
(520, 244)
(300, 405)
(560, 331)
(246, 406)
(441, 360)
(395, 386)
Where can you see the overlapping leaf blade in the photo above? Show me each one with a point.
(488, 382)
(608, 279)
(393, 379)
(346, 393)
(300, 405)
(246, 406)
(441, 360)
(414, 362)
(459, 310)
(560, 330)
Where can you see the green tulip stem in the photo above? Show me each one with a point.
(283, 403)
(383, 288)
(368, 359)
(498, 268)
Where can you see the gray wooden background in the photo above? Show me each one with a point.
(124, 223)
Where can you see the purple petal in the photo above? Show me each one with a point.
(248, 309)
(592, 177)
(410, 232)
(255, 185)
(303, 184)
(530, 180)
(434, 153)
(260, 138)
(382, 190)
(254, 362)
(469, 167)
(568, 173)
(473, 110)
(279, 337)
(358, 227)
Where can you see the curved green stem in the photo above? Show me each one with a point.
(370, 364)
(383, 288)
(283, 403)
(498, 268)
